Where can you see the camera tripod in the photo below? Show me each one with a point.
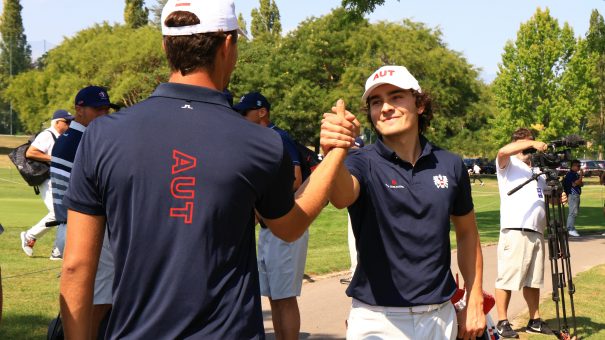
(558, 250)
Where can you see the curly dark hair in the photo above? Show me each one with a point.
(423, 99)
(190, 52)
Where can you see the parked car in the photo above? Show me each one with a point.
(590, 167)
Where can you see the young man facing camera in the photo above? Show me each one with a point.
(401, 193)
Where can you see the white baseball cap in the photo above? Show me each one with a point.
(394, 75)
(214, 15)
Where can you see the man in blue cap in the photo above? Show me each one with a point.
(40, 150)
(91, 102)
(281, 264)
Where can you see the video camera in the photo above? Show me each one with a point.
(558, 151)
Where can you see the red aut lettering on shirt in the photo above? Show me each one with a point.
(383, 73)
(182, 188)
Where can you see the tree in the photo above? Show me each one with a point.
(595, 46)
(330, 57)
(529, 88)
(133, 66)
(135, 14)
(156, 10)
(360, 7)
(15, 54)
(265, 20)
(241, 22)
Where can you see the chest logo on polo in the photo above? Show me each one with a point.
(394, 185)
(440, 181)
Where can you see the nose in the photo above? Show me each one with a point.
(386, 107)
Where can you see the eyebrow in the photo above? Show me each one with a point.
(389, 94)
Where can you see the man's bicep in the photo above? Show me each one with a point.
(84, 237)
(465, 223)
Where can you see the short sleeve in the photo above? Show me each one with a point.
(357, 165)
(83, 194)
(463, 201)
(291, 148)
(278, 199)
(44, 141)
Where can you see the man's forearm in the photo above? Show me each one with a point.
(81, 257)
(470, 262)
(76, 303)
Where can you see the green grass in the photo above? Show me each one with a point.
(31, 284)
(589, 307)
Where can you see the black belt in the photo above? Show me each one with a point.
(523, 229)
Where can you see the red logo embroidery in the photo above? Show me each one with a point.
(183, 187)
(383, 73)
(393, 182)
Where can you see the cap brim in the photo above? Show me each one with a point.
(242, 33)
(69, 118)
(241, 108)
(368, 91)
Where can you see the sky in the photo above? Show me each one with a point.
(478, 29)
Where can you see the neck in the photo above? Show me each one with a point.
(406, 146)
(199, 78)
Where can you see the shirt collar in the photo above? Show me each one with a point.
(190, 93)
(385, 152)
(271, 126)
(77, 126)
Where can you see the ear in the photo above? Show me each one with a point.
(421, 110)
(227, 45)
(262, 112)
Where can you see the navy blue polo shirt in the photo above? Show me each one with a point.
(401, 223)
(288, 143)
(571, 177)
(178, 177)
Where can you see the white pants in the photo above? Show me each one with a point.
(40, 228)
(434, 322)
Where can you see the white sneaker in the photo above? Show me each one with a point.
(27, 244)
(55, 255)
(573, 233)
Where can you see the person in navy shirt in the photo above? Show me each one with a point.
(401, 194)
(281, 265)
(572, 183)
(177, 179)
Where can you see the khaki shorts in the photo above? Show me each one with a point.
(520, 260)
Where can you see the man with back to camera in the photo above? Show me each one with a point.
(572, 184)
(177, 178)
(40, 150)
(91, 103)
(281, 265)
(401, 194)
(522, 222)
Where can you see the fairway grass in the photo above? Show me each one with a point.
(31, 284)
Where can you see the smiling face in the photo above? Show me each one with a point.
(393, 110)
